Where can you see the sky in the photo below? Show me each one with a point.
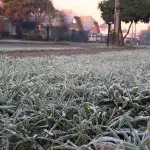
(81, 7)
(88, 8)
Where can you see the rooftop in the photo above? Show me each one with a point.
(69, 12)
(68, 15)
(87, 22)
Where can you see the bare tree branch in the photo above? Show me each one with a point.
(128, 30)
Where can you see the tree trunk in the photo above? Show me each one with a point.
(116, 21)
(121, 39)
(18, 30)
(128, 30)
(47, 31)
(108, 36)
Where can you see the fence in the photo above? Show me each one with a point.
(58, 33)
(77, 36)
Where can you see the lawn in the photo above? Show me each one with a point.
(33, 42)
(36, 49)
(86, 102)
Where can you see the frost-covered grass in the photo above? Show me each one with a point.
(39, 49)
(32, 41)
(75, 103)
(28, 49)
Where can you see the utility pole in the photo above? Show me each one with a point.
(117, 21)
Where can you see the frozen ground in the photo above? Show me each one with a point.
(75, 102)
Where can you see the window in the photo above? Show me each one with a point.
(74, 20)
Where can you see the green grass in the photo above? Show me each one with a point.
(75, 103)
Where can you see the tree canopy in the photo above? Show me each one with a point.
(130, 10)
(17, 9)
(20, 9)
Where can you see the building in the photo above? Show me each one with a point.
(95, 28)
(103, 29)
(90, 24)
(72, 20)
(68, 15)
(75, 27)
(51, 25)
(87, 22)
(6, 27)
(65, 24)
(76, 24)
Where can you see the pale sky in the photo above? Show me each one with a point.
(81, 7)
(87, 8)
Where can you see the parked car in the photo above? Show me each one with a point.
(34, 35)
(92, 38)
(135, 41)
(96, 38)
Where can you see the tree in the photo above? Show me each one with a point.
(1, 9)
(19, 10)
(44, 9)
(63, 25)
(130, 11)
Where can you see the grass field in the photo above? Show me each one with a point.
(86, 102)
(5, 50)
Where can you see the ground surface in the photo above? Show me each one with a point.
(82, 48)
(75, 102)
(46, 45)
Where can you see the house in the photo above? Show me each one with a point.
(90, 24)
(87, 22)
(6, 26)
(68, 15)
(72, 20)
(95, 28)
(75, 27)
(76, 24)
(91, 27)
(103, 29)
(51, 25)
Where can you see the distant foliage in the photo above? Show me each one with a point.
(21, 9)
(131, 11)
(17, 9)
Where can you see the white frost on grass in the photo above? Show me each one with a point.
(39, 49)
(44, 92)
(30, 41)
(132, 65)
